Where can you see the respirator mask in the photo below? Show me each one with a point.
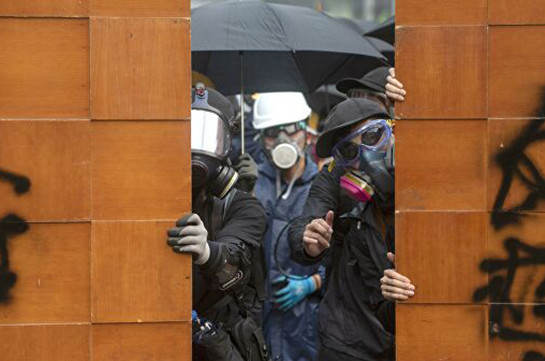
(367, 155)
(210, 146)
(285, 152)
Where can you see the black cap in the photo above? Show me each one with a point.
(375, 80)
(344, 115)
(219, 102)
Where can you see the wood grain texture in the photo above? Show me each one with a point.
(44, 7)
(430, 12)
(504, 134)
(440, 253)
(441, 165)
(45, 343)
(516, 12)
(140, 68)
(516, 71)
(55, 157)
(52, 263)
(443, 70)
(441, 332)
(143, 342)
(136, 8)
(140, 170)
(136, 276)
(44, 68)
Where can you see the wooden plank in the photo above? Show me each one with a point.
(45, 343)
(441, 332)
(135, 8)
(44, 8)
(516, 12)
(512, 148)
(144, 342)
(135, 276)
(452, 245)
(140, 170)
(430, 12)
(443, 70)
(44, 68)
(54, 156)
(441, 165)
(516, 71)
(52, 264)
(140, 68)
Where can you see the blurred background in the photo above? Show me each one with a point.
(364, 12)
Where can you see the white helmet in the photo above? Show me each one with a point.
(273, 109)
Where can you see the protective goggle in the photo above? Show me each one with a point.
(209, 133)
(290, 129)
(372, 136)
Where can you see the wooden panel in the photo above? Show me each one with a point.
(52, 263)
(54, 156)
(44, 7)
(136, 276)
(508, 247)
(140, 68)
(44, 68)
(133, 8)
(448, 332)
(144, 342)
(140, 170)
(452, 245)
(441, 165)
(516, 71)
(513, 152)
(44, 343)
(443, 70)
(514, 348)
(431, 12)
(516, 12)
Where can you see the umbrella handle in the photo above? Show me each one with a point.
(242, 125)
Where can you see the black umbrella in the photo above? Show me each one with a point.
(384, 31)
(283, 47)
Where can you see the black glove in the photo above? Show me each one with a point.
(247, 171)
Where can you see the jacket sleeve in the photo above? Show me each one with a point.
(322, 197)
(240, 238)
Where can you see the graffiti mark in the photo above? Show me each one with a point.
(507, 318)
(11, 225)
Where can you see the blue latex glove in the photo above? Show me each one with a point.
(293, 293)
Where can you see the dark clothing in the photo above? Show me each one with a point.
(353, 318)
(291, 335)
(233, 248)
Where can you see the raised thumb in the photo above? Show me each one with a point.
(391, 257)
(329, 218)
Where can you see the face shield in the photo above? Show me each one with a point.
(210, 134)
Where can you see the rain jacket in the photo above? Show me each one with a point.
(291, 335)
(353, 318)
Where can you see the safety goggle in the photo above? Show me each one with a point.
(290, 129)
(372, 136)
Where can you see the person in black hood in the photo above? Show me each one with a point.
(349, 215)
(224, 234)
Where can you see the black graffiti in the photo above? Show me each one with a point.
(507, 315)
(11, 226)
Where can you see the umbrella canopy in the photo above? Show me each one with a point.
(384, 31)
(281, 47)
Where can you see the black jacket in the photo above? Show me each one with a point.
(235, 246)
(354, 318)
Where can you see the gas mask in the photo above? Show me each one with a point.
(367, 155)
(210, 146)
(285, 152)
